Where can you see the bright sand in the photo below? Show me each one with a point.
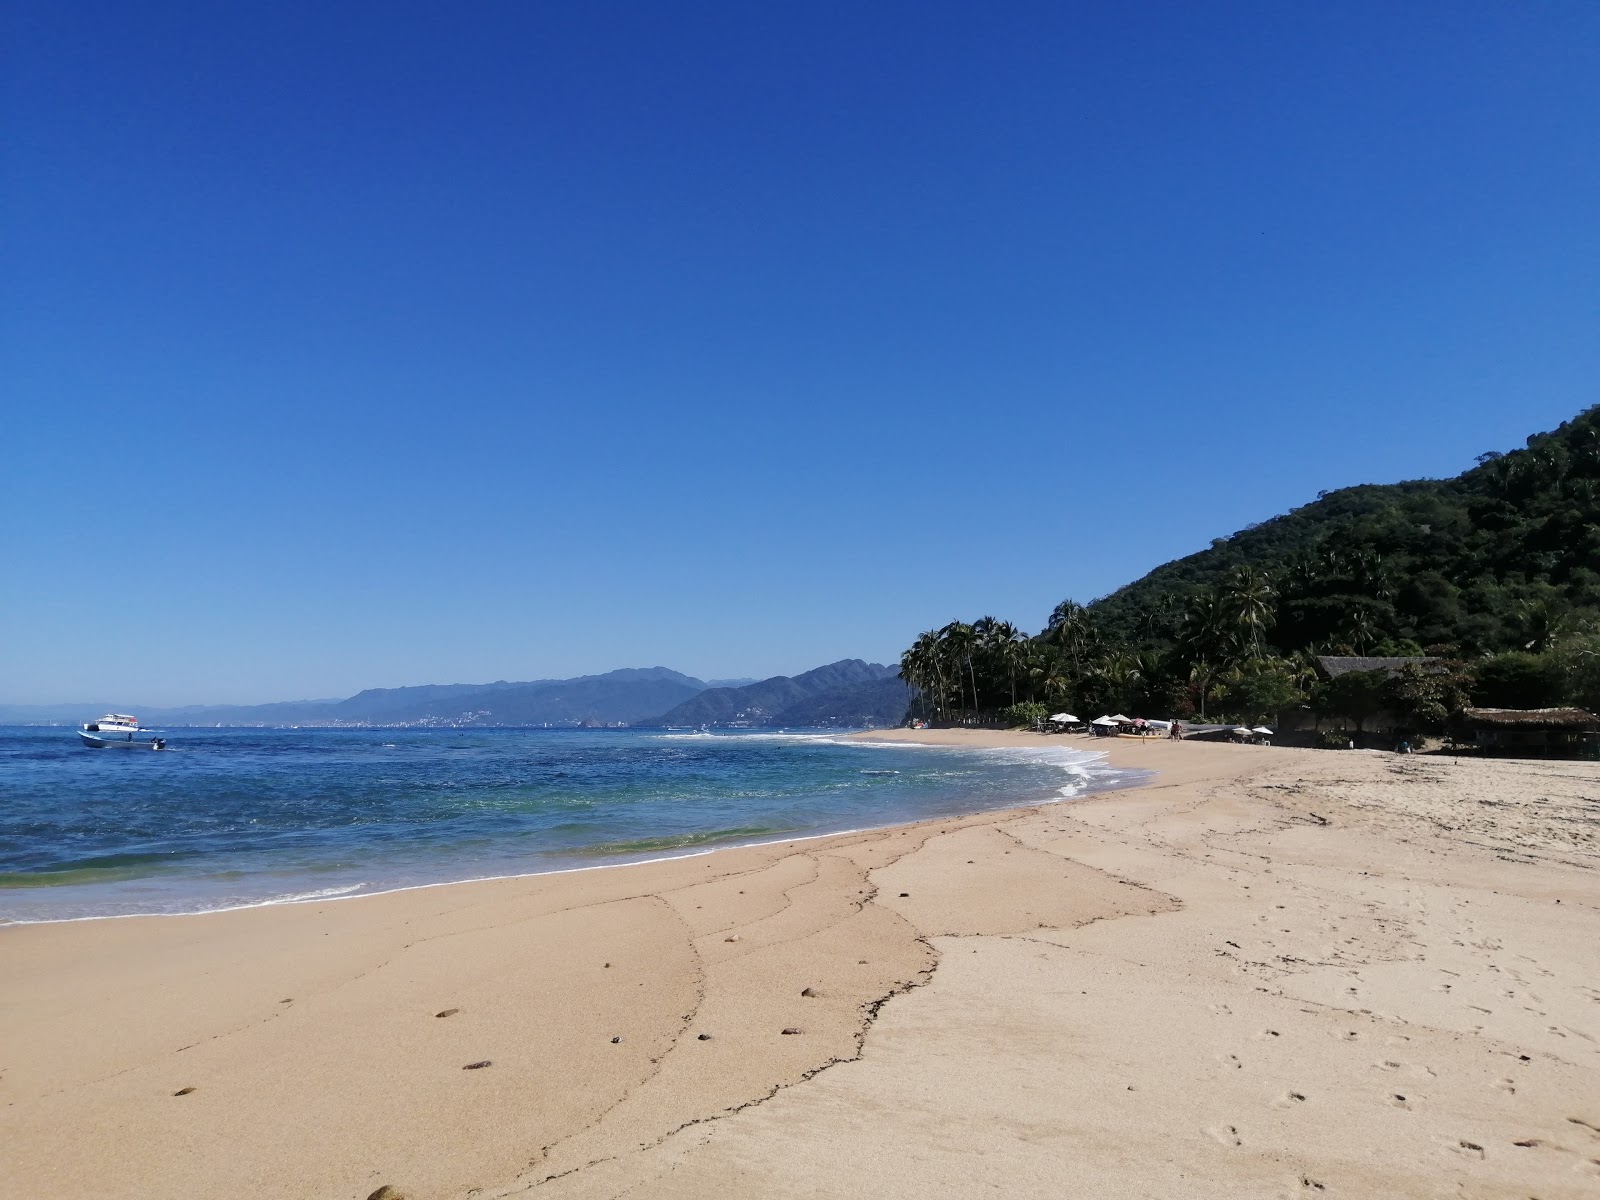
(1269, 973)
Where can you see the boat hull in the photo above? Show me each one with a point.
(111, 741)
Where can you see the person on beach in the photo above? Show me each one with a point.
(1176, 732)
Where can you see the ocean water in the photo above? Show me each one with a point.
(235, 817)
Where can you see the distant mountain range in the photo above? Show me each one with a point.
(849, 692)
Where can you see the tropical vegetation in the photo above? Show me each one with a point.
(1495, 572)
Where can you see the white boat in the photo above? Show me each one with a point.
(120, 731)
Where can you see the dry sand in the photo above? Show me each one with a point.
(1269, 973)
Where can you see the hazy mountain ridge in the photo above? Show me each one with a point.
(629, 696)
(877, 702)
(779, 700)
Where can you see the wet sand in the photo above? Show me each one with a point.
(1268, 973)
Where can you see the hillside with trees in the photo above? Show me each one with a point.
(1496, 572)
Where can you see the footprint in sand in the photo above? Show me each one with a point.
(1289, 1100)
(1230, 1060)
(1398, 1100)
(1415, 1070)
(1469, 1149)
(1225, 1135)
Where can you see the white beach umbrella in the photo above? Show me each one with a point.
(1105, 721)
(1242, 729)
(1119, 717)
(1262, 729)
(1064, 719)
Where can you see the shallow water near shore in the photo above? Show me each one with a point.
(229, 818)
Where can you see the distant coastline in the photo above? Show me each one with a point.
(849, 693)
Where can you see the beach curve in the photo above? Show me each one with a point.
(309, 1037)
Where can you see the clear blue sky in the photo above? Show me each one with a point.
(378, 343)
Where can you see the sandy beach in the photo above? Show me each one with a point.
(1268, 973)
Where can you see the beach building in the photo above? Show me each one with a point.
(1530, 732)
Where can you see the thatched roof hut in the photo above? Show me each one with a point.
(1531, 718)
(1530, 732)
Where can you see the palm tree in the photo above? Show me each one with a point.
(1543, 622)
(1251, 599)
(1360, 628)
(920, 667)
(1049, 674)
(1007, 648)
(959, 640)
(1070, 629)
(1208, 631)
(1201, 673)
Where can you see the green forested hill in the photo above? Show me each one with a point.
(1471, 565)
(1496, 572)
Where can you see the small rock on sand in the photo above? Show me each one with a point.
(183, 1091)
(807, 992)
(616, 1041)
(704, 1037)
(791, 1030)
(478, 1066)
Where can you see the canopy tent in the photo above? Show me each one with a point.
(1064, 719)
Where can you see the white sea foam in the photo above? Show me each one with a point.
(319, 894)
(1083, 768)
(741, 735)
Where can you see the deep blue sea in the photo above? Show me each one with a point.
(233, 817)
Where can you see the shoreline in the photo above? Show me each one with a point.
(880, 737)
(1033, 997)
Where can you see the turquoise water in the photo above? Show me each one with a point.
(232, 817)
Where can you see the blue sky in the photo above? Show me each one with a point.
(369, 344)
